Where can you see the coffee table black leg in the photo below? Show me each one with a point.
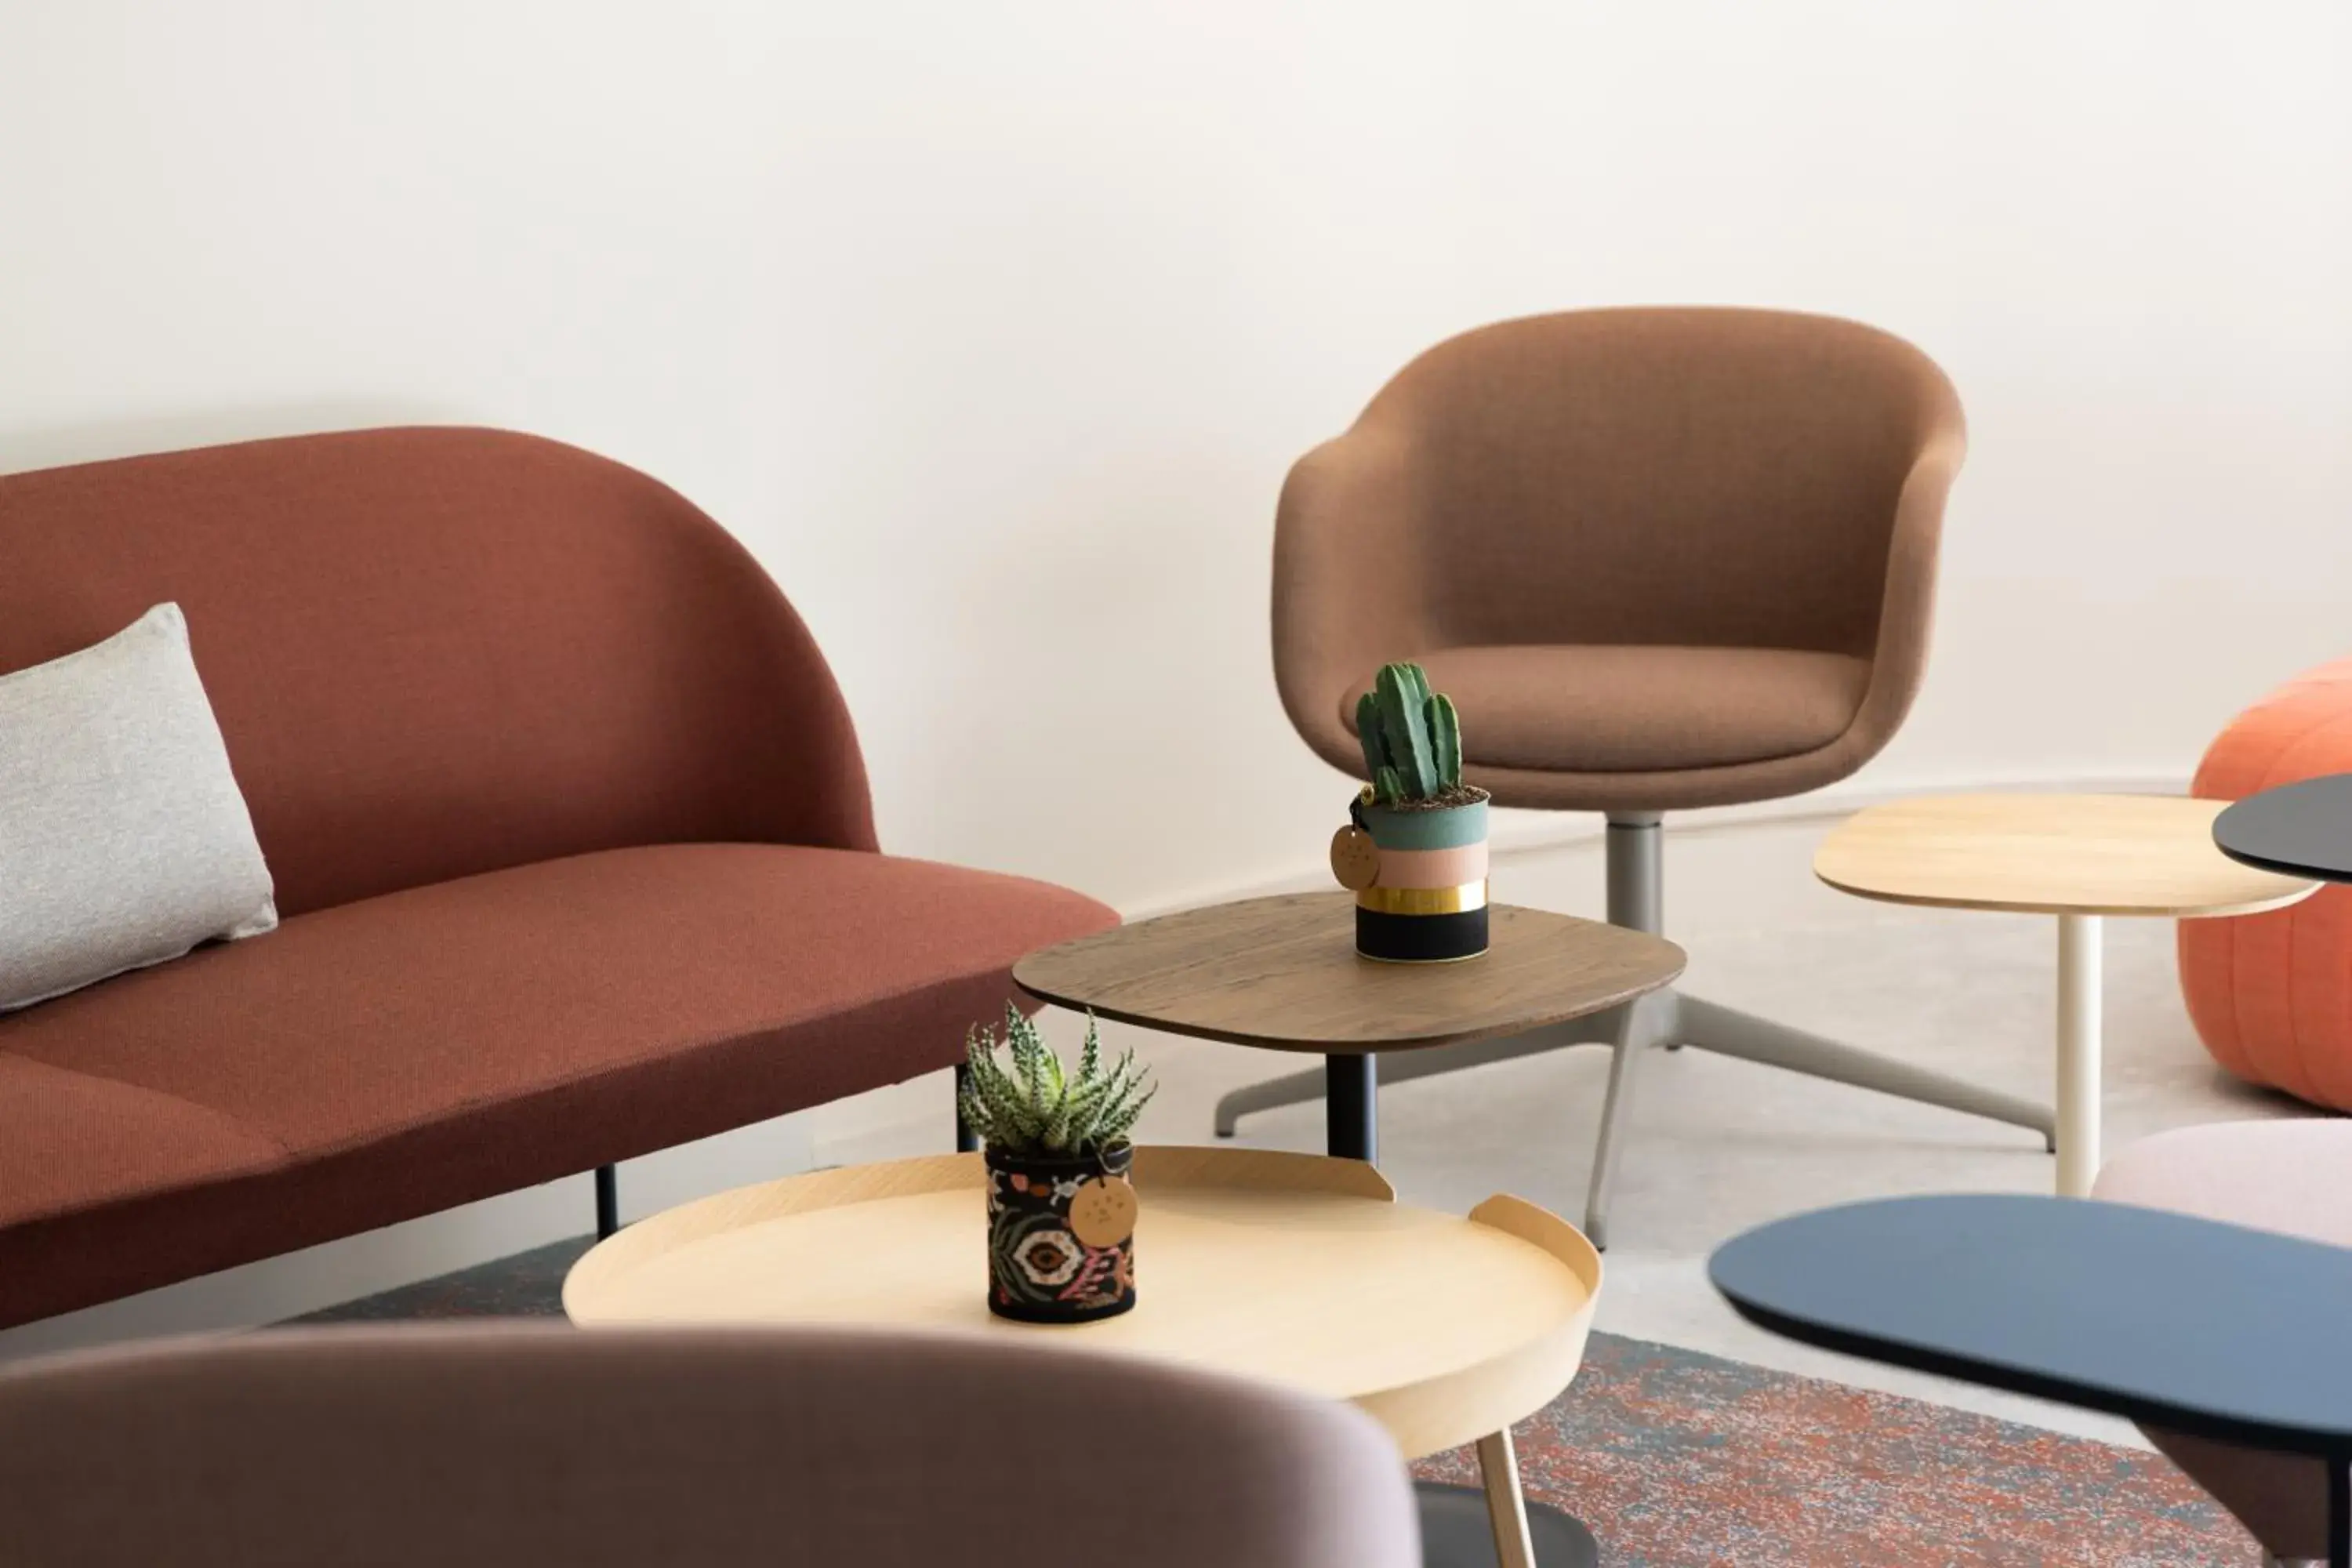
(1351, 1107)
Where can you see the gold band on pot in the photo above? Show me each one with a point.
(1424, 901)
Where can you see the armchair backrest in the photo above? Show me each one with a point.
(1708, 477)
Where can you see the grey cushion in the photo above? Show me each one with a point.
(123, 838)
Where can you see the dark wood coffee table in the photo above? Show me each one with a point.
(2177, 1322)
(1282, 973)
(2302, 829)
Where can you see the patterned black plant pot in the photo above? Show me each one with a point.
(1061, 1236)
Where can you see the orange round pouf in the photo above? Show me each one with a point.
(2271, 995)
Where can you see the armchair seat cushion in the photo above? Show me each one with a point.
(1619, 708)
(381, 1059)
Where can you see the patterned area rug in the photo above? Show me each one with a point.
(1681, 1461)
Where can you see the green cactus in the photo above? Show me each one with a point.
(1401, 689)
(1037, 1106)
(1411, 737)
(1445, 740)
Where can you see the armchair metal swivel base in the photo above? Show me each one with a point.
(1668, 1017)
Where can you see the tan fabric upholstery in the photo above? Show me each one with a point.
(1661, 558)
(521, 1448)
(1635, 709)
(2294, 1177)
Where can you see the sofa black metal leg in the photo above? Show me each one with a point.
(966, 1139)
(608, 1201)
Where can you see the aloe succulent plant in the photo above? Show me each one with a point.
(1037, 1106)
(1411, 737)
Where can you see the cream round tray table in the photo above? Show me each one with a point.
(1295, 1269)
(2078, 857)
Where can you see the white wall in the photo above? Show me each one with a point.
(992, 329)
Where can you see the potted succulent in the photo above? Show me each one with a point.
(1414, 853)
(1061, 1210)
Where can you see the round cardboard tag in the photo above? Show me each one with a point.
(1102, 1212)
(1355, 859)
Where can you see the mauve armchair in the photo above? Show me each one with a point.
(542, 1447)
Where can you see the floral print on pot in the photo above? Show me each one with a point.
(1057, 1250)
(1056, 1151)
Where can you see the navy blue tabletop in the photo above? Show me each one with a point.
(2238, 1334)
(2304, 829)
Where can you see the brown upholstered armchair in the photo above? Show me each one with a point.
(1660, 559)
(535, 1447)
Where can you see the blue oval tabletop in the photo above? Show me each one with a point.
(2240, 1335)
(2302, 829)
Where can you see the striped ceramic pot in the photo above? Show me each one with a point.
(1428, 905)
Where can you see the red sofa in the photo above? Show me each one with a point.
(571, 836)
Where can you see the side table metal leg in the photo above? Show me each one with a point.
(1351, 1107)
(1506, 1511)
(2079, 955)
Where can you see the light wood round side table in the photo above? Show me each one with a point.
(1294, 1268)
(2078, 857)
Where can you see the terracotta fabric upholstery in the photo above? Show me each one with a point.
(2293, 1178)
(521, 1448)
(440, 651)
(2271, 995)
(407, 1053)
(1660, 558)
(568, 822)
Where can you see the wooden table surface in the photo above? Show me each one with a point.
(1294, 1268)
(2048, 854)
(1282, 972)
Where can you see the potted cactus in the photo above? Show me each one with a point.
(1061, 1210)
(1414, 853)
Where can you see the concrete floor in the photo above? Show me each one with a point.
(1719, 1145)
